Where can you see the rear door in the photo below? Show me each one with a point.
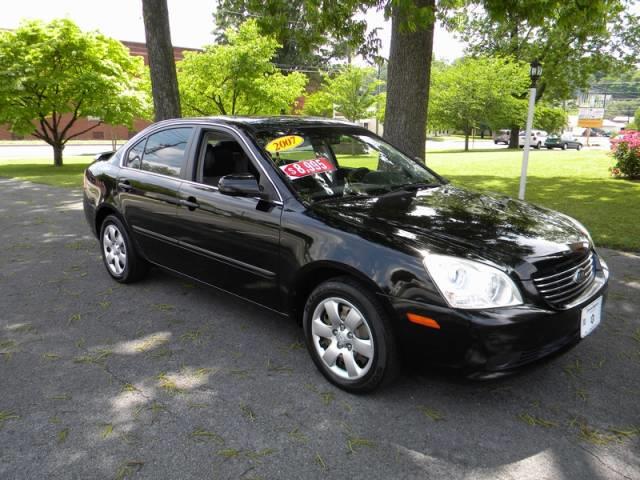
(226, 241)
(148, 185)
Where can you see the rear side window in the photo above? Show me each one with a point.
(165, 151)
(134, 157)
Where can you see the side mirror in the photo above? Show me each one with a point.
(240, 185)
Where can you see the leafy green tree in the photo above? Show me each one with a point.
(303, 28)
(237, 78)
(342, 30)
(477, 91)
(53, 74)
(352, 92)
(318, 104)
(574, 39)
(549, 118)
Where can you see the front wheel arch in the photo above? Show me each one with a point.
(314, 274)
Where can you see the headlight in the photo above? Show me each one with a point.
(468, 284)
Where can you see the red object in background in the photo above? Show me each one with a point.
(304, 168)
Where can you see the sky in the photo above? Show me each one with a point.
(191, 21)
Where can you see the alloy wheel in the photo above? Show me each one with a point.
(342, 338)
(115, 250)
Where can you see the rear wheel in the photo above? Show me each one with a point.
(120, 258)
(578, 147)
(348, 336)
(564, 146)
(538, 145)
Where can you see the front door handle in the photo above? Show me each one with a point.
(125, 185)
(190, 203)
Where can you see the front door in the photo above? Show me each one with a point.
(230, 242)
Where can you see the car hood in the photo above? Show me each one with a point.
(457, 221)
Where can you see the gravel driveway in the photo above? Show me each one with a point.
(170, 379)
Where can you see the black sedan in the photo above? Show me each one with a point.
(375, 254)
(563, 141)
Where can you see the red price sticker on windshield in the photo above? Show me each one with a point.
(304, 168)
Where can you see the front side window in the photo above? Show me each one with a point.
(165, 153)
(334, 162)
(221, 155)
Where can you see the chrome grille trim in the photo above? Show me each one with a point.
(558, 289)
(571, 270)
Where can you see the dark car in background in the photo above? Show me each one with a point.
(374, 253)
(563, 141)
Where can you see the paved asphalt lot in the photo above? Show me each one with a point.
(167, 379)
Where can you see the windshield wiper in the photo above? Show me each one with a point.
(340, 196)
(414, 186)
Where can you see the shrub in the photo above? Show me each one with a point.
(626, 151)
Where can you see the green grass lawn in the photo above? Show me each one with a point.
(576, 183)
(41, 170)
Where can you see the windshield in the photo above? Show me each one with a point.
(335, 162)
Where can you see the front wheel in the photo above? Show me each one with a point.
(538, 145)
(120, 258)
(578, 147)
(564, 146)
(348, 336)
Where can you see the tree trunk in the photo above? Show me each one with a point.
(164, 82)
(408, 82)
(57, 154)
(513, 138)
(466, 140)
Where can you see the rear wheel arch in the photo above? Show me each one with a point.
(102, 212)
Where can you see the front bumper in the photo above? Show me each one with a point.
(495, 340)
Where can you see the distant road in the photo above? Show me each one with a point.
(45, 151)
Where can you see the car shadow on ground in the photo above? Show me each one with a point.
(167, 378)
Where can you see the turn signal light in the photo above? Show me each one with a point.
(424, 321)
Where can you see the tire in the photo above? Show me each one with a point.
(495, 142)
(578, 147)
(549, 148)
(120, 258)
(538, 145)
(356, 349)
(564, 146)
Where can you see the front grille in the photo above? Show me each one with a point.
(562, 281)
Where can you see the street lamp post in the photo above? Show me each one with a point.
(535, 73)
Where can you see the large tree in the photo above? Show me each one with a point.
(574, 39)
(310, 32)
(53, 74)
(238, 78)
(412, 26)
(476, 92)
(342, 23)
(164, 83)
(351, 92)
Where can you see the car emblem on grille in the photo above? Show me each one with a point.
(578, 277)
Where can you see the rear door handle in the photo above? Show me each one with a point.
(125, 185)
(190, 203)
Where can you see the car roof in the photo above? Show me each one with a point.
(265, 122)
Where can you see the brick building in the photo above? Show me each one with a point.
(105, 131)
